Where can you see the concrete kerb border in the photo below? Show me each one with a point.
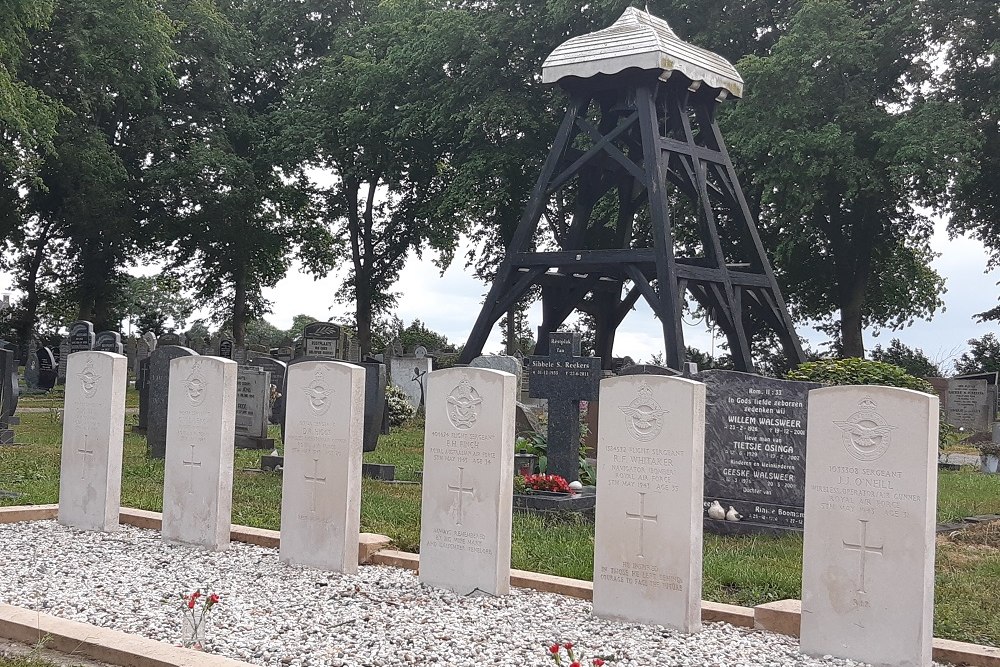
(119, 648)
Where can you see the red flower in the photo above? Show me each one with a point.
(598, 662)
(214, 598)
(196, 594)
(568, 646)
(575, 664)
(554, 649)
(191, 602)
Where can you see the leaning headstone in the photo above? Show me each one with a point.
(109, 341)
(321, 480)
(81, 336)
(564, 378)
(90, 478)
(46, 368)
(253, 408)
(277, 369)
(967, 405)
(31, 370)
(158, 385)
(322, 339)
(64, 352)
(648, 532)
(198, 472)
(468, 476)
(868, 554)
(755, 450)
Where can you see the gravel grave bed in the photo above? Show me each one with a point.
(272, 613)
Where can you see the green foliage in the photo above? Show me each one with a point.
(912, 360)
(858, 371)
(150, 301)
(982, 357)
(418, 334)
(398, 405)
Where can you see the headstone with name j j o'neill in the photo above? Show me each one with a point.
(648, 530)
(564, 378)
(465, 512)
(81, 336)
(868, 551)
(755, 450)
(198, 471)
(321, 481)
(90, 476)
(158, 384)
(253, 408)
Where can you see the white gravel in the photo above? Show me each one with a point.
(275, 614)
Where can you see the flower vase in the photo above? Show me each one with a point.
(191, 636)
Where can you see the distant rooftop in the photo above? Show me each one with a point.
(643, 41)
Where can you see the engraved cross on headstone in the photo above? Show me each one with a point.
(192, 464)
(314, 480)
(642, 518)
(88, 455)
(864, 549)
(461, 491)
(564, 378)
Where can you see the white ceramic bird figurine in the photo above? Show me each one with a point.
(733, 515)
(715, 511)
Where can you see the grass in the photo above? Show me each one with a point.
(737, 570)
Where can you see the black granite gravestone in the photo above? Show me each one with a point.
(755, 450)
(109, 341)
(226, 348)
(142, 386)
(564, 378)
(159, 387)
(81, 336)
(62, 359)
(168, 339)
(31, 370)
(8, 393)
(47, 368)
(322, 339)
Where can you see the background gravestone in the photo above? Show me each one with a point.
(109, 341)
(253, 408)
(564, 378)
(755, 450)
(168, 339)
(142, 386)
(81, 336)
(322, 339)
(47, 368)
(277, 370)
(646, 369)
(31, 370)
(225, 348)
(142, 351)
(158, 389)
(64, 352)
(8, 393)
(409, 374)
(967, 405)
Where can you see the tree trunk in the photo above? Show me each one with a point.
(851, 339)
(363, 316)
(240, 306)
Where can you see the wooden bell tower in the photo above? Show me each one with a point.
(640, 199)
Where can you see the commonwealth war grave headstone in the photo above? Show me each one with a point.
(321, 481)
(465, 513)
(253, 408)
(648, 531)
(198, 472)
(868, 553)
(159, 396)
(564, 378)
(755, 450)
(93, 433)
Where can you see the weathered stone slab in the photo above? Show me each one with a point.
(253, 408)
(648, 532)
(868, 556)
(468, 480)
(158, 383)
(90, 478)
(321, 482)
(409, 374)
(967, 405)
(198, 472)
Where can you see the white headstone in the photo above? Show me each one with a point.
(90, 478)
(321, 485)
(465, 514)
(410, 375)
(198, 472)
(648, 533)
(871, 493)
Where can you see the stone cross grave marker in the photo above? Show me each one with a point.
(31, 370)
(564, 378)
(157, 387)
(90, 475)
(868, 553)
(321, 480)
(253, 408)
(648, 532)
(109, 341)
(81, 336)
(468, 481)
(198, 472)
(755, 450)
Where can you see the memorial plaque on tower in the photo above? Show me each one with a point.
(755, 448)
(564, 378)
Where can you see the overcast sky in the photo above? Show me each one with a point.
(449, 304)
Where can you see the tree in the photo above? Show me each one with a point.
(911, 360)
(982, 357)
(150, 301)
(839, 145)
(383, 113)
(418, 334)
